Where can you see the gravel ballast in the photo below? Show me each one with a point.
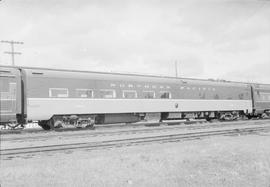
(216, 161)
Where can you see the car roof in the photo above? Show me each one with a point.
(131, 76)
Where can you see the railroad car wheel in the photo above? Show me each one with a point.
(208, 118)
(249, 116)
(264, 116)
(13, 125)
(58, 124)
(44, 125)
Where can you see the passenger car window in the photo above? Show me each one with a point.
(107, 93)
(241, 96)
(129, 94)
(58, 92)
(216, 96)
(9, 93)
(148, 94)
(265, 96)
(85, 93)
(165, 95)
(4, 84)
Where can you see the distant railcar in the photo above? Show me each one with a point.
(11, 105)
(261, 100)
(55, 97)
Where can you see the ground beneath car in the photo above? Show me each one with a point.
(217, 161)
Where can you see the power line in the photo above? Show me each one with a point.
(12, 52)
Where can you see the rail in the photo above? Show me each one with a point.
(132, 141)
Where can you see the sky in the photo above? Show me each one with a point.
(218, 39)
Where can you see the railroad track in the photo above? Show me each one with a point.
(121, 125)
(156, 127)
(132, 141)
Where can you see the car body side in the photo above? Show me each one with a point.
(185, 95)
(10, 94)
(42, 93)
(261, 98)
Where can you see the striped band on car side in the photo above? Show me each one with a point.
(45, 108)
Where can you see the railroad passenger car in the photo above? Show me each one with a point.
(55, 97)
(11, 105)
(261, 100)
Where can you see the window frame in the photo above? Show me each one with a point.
(107, 90)
(66, 95)
(84, 89)
(170, 94)
(130, 91)
(264, 96)
(154, 94)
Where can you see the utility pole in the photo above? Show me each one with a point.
(12, 52)
(176, 68)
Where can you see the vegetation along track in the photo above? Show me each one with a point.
(133, 141)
